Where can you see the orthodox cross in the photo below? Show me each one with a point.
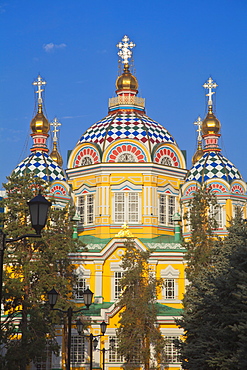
(39, 84)
(125, 49)
(55, 124)
(198, 123)
(210, 84)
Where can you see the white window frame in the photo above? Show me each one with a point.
(82, 275)
(79, 287)
(128, 208)
(167, 208)
(217, 212)
(115, 270)
(170, 275)
(113, 356)
(171, 352)
(78, 350)
(86, 208)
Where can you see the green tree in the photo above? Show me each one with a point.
(215, 306)
(201, 221)
(138, 331)
(32, 267)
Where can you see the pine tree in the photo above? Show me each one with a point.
(137, 331)
(33, 267)
(200, 256)
(215, 306)
(201, 221)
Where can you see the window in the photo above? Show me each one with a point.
(43, 363)
(117, 288)
(171, 351)
(217, 213)
(113, 352)
(77, 349)
(126, 157)
(85, 209)
(79, 287)
(126, 207)
(167, 207)
(166, 161)
(169, 289)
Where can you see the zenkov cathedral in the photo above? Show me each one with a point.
(129, 179)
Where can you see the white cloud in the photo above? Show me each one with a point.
(51, 46)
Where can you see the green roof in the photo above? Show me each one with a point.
(162, 310)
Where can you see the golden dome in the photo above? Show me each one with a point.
(55, 155)
(210, 125)
(198, 154)
(40, 124)
(126, 81)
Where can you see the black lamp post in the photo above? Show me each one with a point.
(38, 208)
(87, 296)
(92, 338)
(103, 350)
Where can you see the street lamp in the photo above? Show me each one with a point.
(38, 208)
(103, 350)
(92, 338)
(87, 296)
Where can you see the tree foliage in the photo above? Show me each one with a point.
(138, 331)
(215, 305)
(201, 221)
(33, 267)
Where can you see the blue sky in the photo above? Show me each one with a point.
(72, 45)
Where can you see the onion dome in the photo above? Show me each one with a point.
(126, 118)
(211, 124)
(198, 154)
(55, 155)
(39, 162)
(126, 81)
(40, 124)
(212, 164)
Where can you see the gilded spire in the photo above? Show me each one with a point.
(55, 155)
(39, 83)
(125, 49)
(126, 81)
(39, 124)
(211, 124)
(210, 84)
(199, 152)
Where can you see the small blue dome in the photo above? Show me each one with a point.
(41, 165)
(213, 165)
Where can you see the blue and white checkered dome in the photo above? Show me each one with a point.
(213, 165)
(41, 165)
(126, 124)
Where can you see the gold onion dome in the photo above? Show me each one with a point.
(55, 155)
(198, 154)
(211, 124)
(40, 124)
(126, 81)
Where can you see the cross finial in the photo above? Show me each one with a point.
(55, 124)
(210, 84)
(125, 49)
(198, 123)
(39, 83)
